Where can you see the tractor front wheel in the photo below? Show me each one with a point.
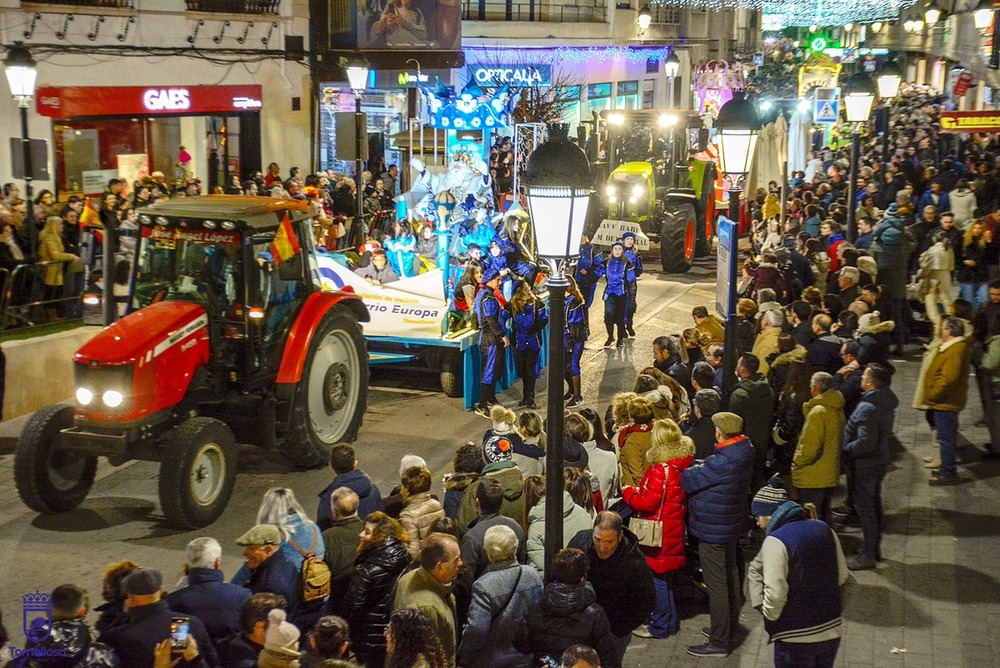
(197, 473)
(48, 478)
(333, 392)
(678, 237)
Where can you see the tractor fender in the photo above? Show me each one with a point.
(301, 332)
(680, 195)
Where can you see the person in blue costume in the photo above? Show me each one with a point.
(475, 229)
(400, 247)
(632, 255)
(619, 273)
(495, 259)
(577, 333)
(518, 259)
(491, 318)
(586, 274)
(529, 316)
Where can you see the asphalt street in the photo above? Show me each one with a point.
(936, 596)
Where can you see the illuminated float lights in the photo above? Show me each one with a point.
(554, 55)
(796, 13)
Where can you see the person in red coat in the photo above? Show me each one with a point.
(659, 497)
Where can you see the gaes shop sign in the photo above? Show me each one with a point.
(96, 101)
(518, 75)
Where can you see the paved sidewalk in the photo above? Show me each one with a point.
(935, 600)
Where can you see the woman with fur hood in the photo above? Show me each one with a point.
(680, 401)
(659, 395)
(659, 497)
(874, 337)
(779, 362)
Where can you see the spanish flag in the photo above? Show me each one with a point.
(285, 244)
(89, 217)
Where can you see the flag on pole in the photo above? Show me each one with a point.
(89, 217)
(285, 244)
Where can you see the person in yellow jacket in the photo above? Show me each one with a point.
(816, 463)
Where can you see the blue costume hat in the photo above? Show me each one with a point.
(618, 243)
(489, 273)
(628, 235)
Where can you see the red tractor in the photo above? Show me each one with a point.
(223, 344)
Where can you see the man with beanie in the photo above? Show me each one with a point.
(866, 459)
(281, 642)
(492, 339)
(795, 580)
(148, 622)
(717, 491)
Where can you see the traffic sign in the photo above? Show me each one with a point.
(827, 111)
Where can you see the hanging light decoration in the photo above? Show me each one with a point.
(808, 13)
(877, 27)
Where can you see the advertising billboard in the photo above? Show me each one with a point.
(409, 24)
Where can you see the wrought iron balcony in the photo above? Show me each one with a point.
(234, 6)
(534, 10)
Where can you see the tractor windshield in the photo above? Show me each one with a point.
(197, 265)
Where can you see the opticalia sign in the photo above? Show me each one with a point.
(96, 101)
(518, 75)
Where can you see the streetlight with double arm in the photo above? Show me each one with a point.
(22, 73)
(738, 126)
(357, 76)
(558, 193)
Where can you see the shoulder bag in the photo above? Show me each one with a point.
(650, 531)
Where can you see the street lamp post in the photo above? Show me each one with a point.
(22, 72)
(738, 125)
(357, 77)
(983, 14)
(644, 19)
(889, 79)
(671, 67)
(859, 94)
(558, 192)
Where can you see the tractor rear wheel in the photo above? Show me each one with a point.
(333, 392)
(451, 374)
(705, 208)
(198, 472)
(678, 237)
(49, 479)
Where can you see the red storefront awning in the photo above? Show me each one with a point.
(90, 101)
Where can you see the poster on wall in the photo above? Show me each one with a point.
(409, 24)
(95, 181)
(132, 167)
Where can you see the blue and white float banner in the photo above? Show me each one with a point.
(410, 307)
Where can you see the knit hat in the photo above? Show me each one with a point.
(143, 582)
(409, 461)
(282, 637)
(498, 448)
(730, 423)
(892, 209)
(869, 320)
(769, 497)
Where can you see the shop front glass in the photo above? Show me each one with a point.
(386, 111)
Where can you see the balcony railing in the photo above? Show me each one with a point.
(234, 6)
(507, 10)
(670, 16)
(90, 4)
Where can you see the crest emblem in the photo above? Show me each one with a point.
(36, 617)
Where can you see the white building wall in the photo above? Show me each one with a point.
(164, 23)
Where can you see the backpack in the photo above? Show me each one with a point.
(315, 572)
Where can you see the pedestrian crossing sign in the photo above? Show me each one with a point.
(827, 111)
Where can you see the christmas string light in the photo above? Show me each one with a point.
(796, 13)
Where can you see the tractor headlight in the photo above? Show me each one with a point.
(84, 396)
(612, 199)
(610, 190)
(113, 398)
(633, 199)
(637, 191)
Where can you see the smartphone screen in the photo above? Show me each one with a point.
(179, 628)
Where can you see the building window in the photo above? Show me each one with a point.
(628, 95)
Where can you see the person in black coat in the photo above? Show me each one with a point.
(823, 354)
(345, 466)
(68, 643)
(847, 380)
(667, 358)
(148, 623)
(207, 595)
(566, 614)
(242, 649)
(700, 429)
(382, 557)
(270, 570)
(620, 576)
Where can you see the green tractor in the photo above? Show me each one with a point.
(656, 182)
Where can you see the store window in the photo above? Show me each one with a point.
(628, 95)
(569, 99)
(649, 94)
(598, 97)
(386, 117)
